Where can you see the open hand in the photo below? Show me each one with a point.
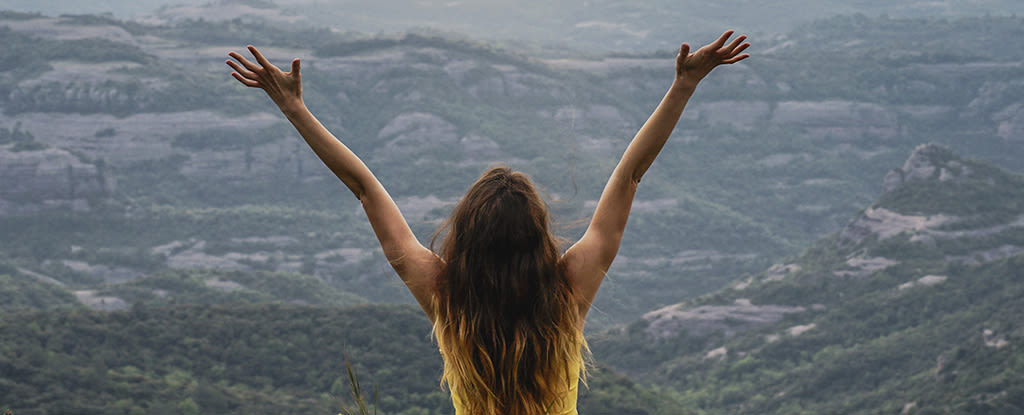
(692, 67)
(283, 88)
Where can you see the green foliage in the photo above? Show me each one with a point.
(871, 352)
(242, 359)
(995, 197)
(229, 287)
(23, 292)
(880, 340)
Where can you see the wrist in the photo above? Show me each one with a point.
(292, 106)
(688, 84)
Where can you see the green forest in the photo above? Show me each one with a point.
(260, 358)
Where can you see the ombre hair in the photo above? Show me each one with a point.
(506, 318)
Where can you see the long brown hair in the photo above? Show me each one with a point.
(506, 317)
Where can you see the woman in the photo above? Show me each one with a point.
(507, 308)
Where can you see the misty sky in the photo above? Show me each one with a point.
(599, 25)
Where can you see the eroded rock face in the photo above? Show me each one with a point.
(739, 114)
(416, 133)
(703, 320)
(39, 180)
(885, 224)
(837, 118)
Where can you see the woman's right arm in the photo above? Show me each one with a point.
(414, 263)
(588, 260)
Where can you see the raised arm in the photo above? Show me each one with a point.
(589, 259)
(414, 263)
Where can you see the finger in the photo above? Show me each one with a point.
(245, 62)
(736, 43)
(245, 81)
(736, 59)
(295, 69)
(740, 49)
(241, 71)
(259, 57)
(721, 39)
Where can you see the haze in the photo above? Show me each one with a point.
(552, 26)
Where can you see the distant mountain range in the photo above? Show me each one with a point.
(127, 151)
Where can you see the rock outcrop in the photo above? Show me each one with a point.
(49, 178)
(927, 162)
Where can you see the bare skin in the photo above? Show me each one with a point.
(586, 262)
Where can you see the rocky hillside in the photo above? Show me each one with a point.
(913, 307)
(134, 153)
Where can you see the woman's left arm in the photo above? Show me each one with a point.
(589, 259)
(414, 263)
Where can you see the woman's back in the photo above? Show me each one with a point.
(505, 316)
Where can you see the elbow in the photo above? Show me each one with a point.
(357, 189)
(632, 177)
(634, 180)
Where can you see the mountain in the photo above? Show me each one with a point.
(913, 307)
(131, 152)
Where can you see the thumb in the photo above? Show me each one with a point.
(684, 50)
(684, 53)
(295, 68)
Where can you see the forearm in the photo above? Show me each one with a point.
(649, 141)
(388, 224)
(334, 154)
(612, 210)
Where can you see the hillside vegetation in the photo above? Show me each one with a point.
(140, 178)
(914, 306)
(242, 360)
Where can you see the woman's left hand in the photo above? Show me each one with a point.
(285, 89)
(692, 67)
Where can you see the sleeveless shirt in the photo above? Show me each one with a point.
(565, 406)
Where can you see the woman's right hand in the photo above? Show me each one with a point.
(285, 89)
(692, 67)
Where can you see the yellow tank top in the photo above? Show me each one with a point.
(565, 406)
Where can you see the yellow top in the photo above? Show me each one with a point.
(567, 405)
